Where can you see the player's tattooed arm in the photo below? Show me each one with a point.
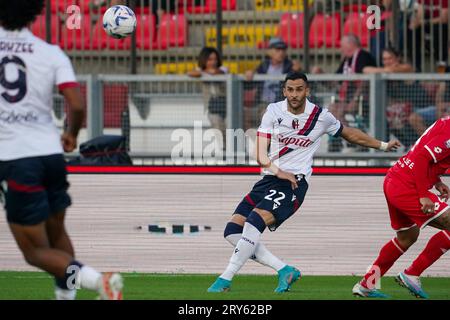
(262, 146)
(356, 136)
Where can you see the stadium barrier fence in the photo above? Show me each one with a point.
(213, 120)
(170, 41)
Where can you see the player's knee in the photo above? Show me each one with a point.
(444, 220)
(31, 256)
(257, 221)
(408, 238)
(267, 216)
(232, 228)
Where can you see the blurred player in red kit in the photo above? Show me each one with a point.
(412, 207)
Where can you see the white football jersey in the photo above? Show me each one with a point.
(29, 70)
(295, 138)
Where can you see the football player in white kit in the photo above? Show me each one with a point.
(32, 166)
(287, 139)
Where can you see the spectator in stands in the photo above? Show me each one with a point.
(353, 95)
(259, 95)
(402, 96)
(422, 119)
(158, 7)
(214, 93)
(379, 38)
(429, 25)
(392, 63)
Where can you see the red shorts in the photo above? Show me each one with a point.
(404, 206)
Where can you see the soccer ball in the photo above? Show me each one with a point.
(119, 21)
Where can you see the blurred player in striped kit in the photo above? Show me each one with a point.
(288, 137)
(32, 165)
(413, 207)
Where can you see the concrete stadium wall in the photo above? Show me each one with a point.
(338, 231)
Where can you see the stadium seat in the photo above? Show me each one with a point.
(38, 28)
(227, 5)
(77, 38)
(206, 6)
(115, 98)
(146, 32)
(291, 29)
(172, 31)
(325, 31)
(60, 6)
(356, 23)
(86, 6)
(100, 40)
(353, 8)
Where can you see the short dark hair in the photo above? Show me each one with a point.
(17, 14)
(295, 76)
(392, 51)
(204, 55)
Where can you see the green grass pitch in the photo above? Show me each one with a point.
(38, 285)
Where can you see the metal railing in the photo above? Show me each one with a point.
(168, 42)
(164, 116)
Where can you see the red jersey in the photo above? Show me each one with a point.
(433, 8)
(423, 165)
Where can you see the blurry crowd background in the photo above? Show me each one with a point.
(204, 38)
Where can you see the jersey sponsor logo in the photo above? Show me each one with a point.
(447, 144)
(437, 150)
(13, 117)
(248, 240)
(301, 142)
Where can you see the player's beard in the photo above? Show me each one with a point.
(299, 106)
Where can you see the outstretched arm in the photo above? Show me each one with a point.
(356, 136)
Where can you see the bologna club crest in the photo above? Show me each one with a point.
(295, 124)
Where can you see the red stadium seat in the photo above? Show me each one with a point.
(60, 6)
(227, 5)
(355, 8)
(291, 29)
(206, 6)
(38, 28)
(325, 30)
(115, 99)
(172, 31)
(101, 40)
(77, 38)
(87, 6)
(146, 35)
(356, 24)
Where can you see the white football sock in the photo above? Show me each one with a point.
(89, 278)
(62, 294)
(262, 255)
(245, 248)
(234, 238)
